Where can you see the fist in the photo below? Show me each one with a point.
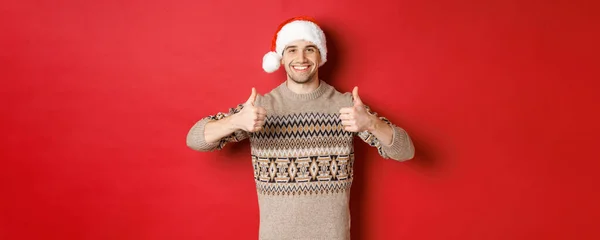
(356, 118)
(250, 118)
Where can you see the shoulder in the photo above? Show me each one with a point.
(345, 98)
(267, 98)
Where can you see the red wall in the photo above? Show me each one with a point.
(97, 98)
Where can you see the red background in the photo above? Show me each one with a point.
(499, 96)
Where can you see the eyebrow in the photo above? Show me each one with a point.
(294, 46)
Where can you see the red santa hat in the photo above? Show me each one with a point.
(297, 28)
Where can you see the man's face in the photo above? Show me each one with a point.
(301, 61)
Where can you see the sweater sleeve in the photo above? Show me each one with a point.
(402, 147)
(195, 138)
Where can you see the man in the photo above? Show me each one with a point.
(301, 135)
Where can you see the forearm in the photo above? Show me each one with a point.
(382, 131)
(394, 141)
(206, 134)
(215, 130)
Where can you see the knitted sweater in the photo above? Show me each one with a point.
(303, 161)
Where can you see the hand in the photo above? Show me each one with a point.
(356, 118)
(250, 118)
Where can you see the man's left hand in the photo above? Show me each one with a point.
(356, 118)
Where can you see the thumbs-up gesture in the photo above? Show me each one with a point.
(356, 118)
(250, 118)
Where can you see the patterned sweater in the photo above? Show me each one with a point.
(303, 161)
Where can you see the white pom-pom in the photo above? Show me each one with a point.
(271, 62)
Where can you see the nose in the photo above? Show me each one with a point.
(302, 56)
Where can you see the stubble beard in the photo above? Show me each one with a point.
(302, 80)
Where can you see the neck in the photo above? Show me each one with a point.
(303, 88)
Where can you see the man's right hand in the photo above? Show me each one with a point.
(250, 118)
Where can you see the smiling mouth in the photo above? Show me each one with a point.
(300, 68)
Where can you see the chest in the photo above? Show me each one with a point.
(302, 134)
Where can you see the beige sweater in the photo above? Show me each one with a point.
(303, 161)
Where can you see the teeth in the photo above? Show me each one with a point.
(300, 68)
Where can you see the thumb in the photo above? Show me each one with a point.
(357, 100)
(252, 97)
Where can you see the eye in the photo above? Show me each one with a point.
(310, 50)
(291, 50)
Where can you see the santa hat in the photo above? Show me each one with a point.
(298, 28)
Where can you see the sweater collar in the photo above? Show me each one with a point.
(287, 93)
